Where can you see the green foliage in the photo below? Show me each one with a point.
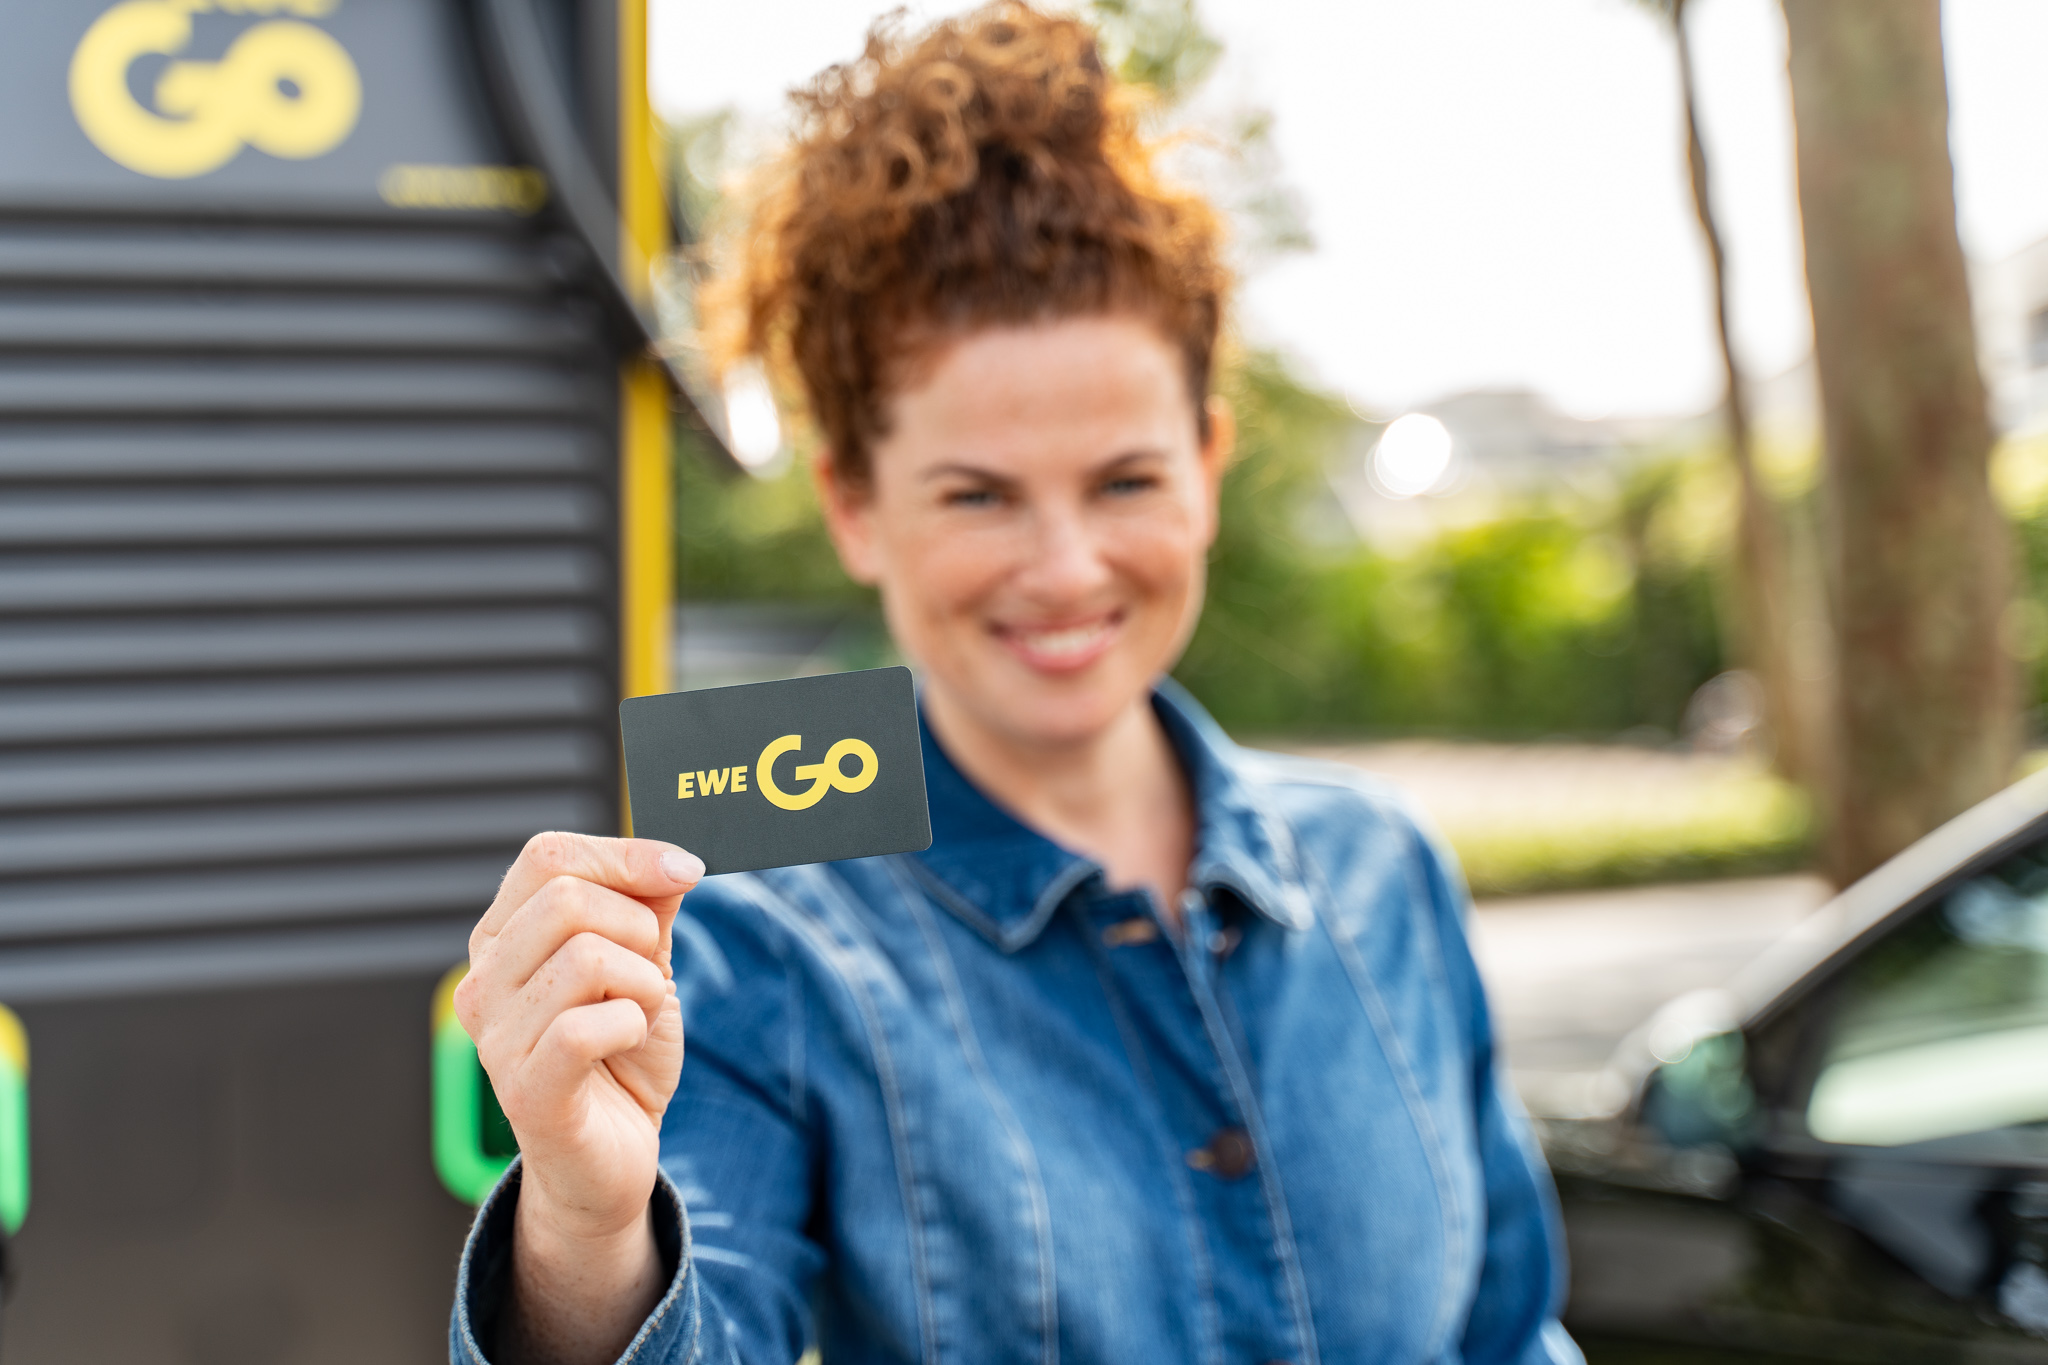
(754, 539)
(1162, 46)
(1560, 616)
(1156, 43)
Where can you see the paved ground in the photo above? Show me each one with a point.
(1570, 974)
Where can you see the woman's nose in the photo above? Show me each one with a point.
(1067, 556)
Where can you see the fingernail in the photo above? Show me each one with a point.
(679, 866)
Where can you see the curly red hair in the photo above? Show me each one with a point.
(989, 171)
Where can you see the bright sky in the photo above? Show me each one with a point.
(1496, 187)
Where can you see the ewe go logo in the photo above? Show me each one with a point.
(827, 774)
(283, 87)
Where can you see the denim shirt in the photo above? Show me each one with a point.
(974, 1105)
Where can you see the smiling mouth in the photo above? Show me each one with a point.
(1065, 648)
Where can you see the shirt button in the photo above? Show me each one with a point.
(1228, 1155)
(1129, 931)
(1224, 941)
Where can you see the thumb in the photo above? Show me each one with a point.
(687, 869)
(665, 944)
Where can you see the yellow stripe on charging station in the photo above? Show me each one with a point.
(646, 452)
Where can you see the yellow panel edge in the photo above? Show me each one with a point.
(647, 538)
(647, 532)
(644, 229)
(646, 472)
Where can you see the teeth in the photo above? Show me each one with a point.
(1074, 641)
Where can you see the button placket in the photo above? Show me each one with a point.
(1224, 1173)
(1231, 1154)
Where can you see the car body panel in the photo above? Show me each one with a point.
(1706, 1221)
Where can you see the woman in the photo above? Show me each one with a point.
(1164, 1050)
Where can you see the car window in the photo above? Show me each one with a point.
(1940, 1029)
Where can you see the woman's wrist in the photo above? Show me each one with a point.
(581, 1287)
(568, 1216)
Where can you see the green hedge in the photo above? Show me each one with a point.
(1575, 614)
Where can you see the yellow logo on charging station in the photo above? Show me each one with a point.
(283, 87)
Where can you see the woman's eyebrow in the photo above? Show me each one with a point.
(1143, 455)
(963, 471)
(956, 470)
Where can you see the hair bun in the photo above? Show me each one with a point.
(987, 171)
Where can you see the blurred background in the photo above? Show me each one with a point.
(1683, 553)
(1487, 491)
(1644, 463)
(1494, 531)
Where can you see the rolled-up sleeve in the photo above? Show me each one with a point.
(670, 1333)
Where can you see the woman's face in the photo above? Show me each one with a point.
(1037, 521)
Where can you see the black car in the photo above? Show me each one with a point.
(1843, 1155)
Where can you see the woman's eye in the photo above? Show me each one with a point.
(972, 497)
(1127, 484)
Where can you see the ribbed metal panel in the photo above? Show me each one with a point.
(310, 566)
(307, 593)
(172, 256)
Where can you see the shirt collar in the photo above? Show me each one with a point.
(1005, 879)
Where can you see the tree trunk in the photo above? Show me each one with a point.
(1774, 603)
(1919, 560)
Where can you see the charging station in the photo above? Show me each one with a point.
(335, 519)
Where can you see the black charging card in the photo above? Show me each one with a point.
(767, 774)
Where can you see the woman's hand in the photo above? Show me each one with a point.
(571, 1001)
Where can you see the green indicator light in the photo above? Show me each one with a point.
(13, 1121)
(473, 1143)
